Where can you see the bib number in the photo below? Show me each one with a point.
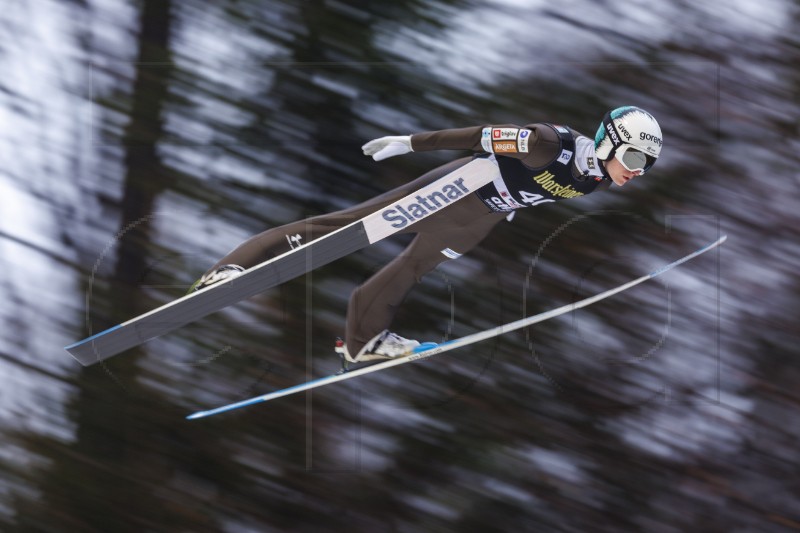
(533, 199)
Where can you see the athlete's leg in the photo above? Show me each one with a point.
(373, 305)
(276, 241)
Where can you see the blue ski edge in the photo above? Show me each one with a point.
(93, 337)
(257, 399)
(425, 346)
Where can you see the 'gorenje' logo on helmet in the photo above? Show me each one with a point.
(650, 137)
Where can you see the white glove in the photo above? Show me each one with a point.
(385, 147)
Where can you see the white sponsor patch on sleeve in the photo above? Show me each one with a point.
(565, 157)
(452, 254)
(486, 140)
(505, 134)
(522, 141)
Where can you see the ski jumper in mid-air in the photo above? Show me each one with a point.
(535, 164)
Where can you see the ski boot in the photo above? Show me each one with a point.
(215, 276)
(385, 345)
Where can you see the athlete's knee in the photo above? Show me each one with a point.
(424, 267)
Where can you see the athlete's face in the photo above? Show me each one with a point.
(619, 174)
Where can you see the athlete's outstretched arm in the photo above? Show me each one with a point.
(534, 144)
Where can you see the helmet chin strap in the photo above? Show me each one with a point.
(606, 175)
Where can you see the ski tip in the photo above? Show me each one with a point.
(718, 242)
(194, 416)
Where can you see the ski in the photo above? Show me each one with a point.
(430, 349)
(296, 262)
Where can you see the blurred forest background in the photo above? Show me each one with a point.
(142, 140)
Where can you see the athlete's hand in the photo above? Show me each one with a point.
(385, 147)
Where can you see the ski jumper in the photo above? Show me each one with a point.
(538, 163)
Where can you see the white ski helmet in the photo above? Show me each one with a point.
(630, 134)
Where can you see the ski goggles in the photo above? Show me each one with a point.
(634, 159)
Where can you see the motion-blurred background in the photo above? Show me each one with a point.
(142, 140)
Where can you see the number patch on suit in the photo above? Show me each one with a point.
(533, 199)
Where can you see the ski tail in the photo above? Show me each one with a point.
(429, 351)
